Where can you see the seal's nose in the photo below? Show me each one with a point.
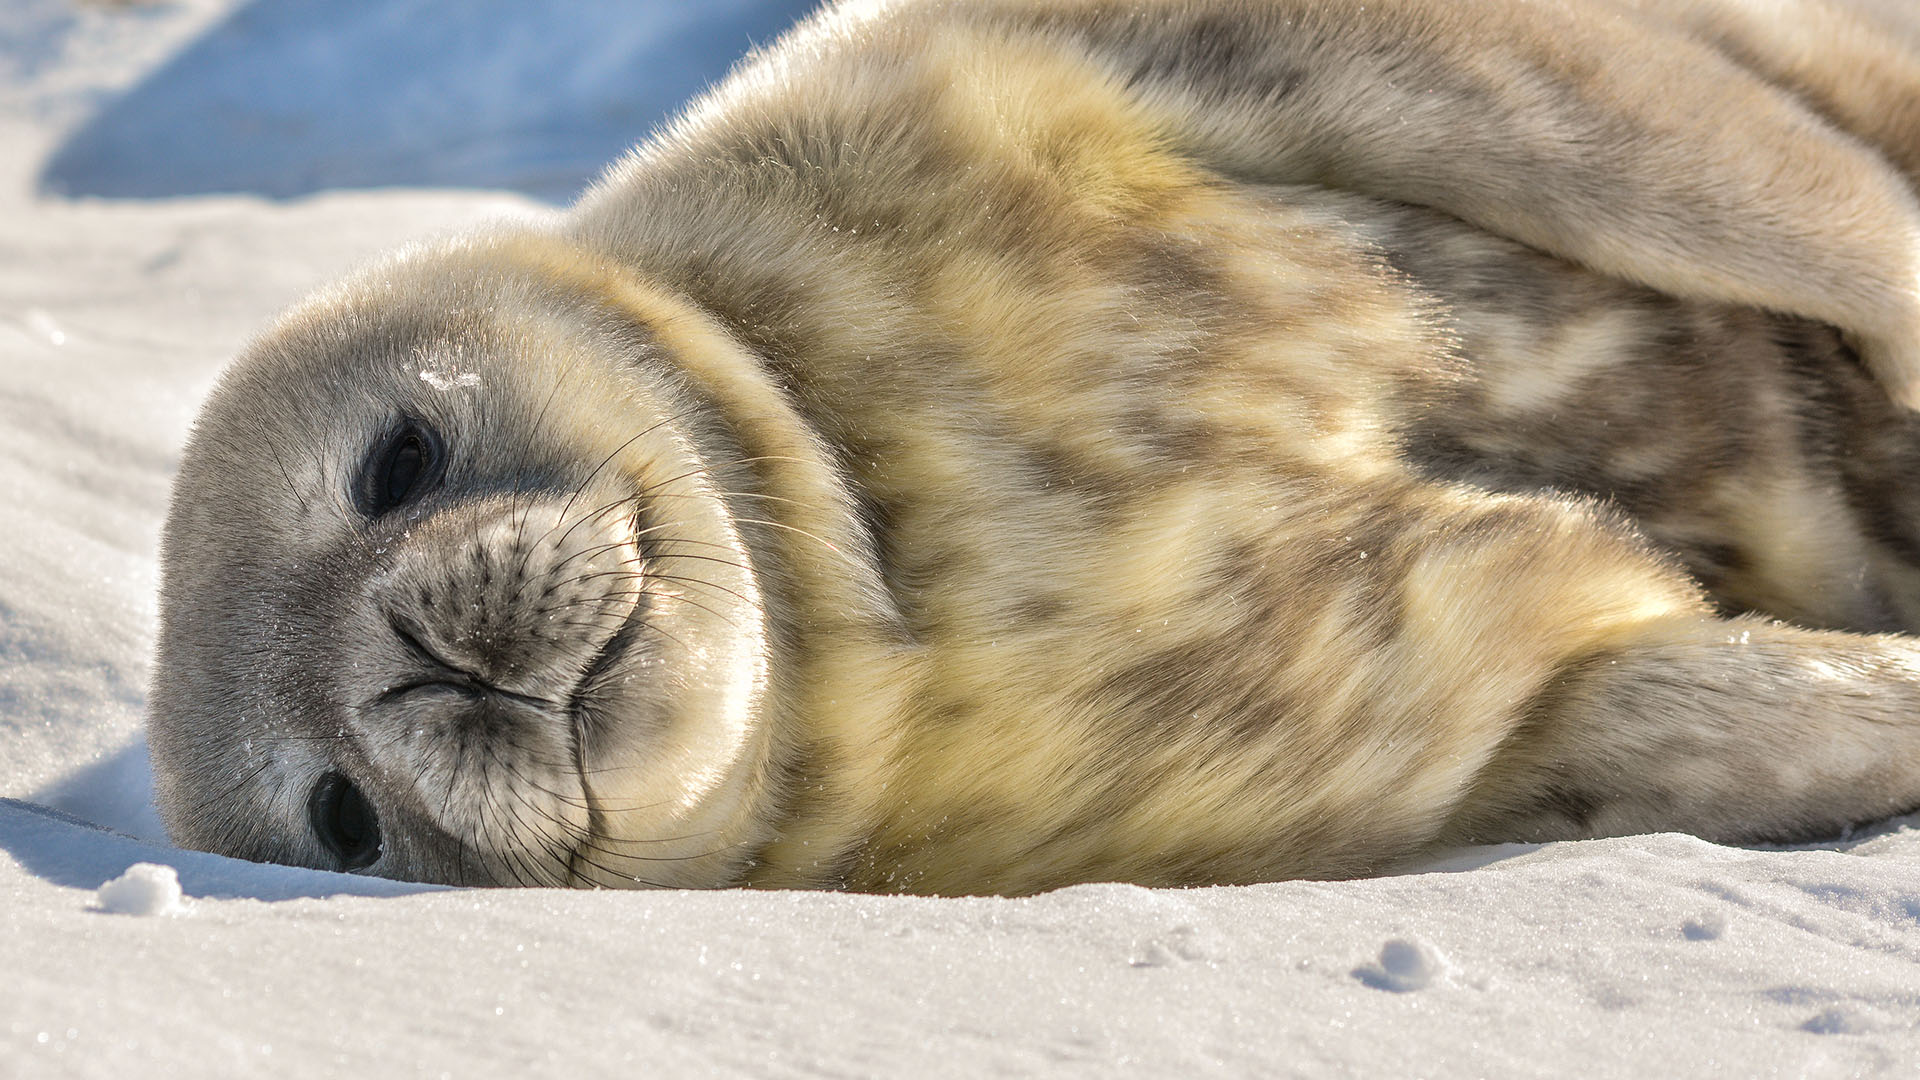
(518, 600)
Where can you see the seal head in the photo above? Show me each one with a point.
(454, 589)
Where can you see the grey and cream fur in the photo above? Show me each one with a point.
(982, 447)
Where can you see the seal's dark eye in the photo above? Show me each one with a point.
(403, 464)
(344, 821)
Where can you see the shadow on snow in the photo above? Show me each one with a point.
(58, 837)
(65, 850)
(288, 97)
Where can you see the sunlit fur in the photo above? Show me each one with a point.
(984, 447)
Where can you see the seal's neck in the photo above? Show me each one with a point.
(841, 655)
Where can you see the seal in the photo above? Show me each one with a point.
(985, 447)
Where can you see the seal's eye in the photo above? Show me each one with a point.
(344, 821)
(402, 465)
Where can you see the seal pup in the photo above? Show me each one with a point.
(986, 447)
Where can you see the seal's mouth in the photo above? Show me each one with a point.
(584, 714)
(600, 669)
(603, 669)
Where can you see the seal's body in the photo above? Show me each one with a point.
(987, 447)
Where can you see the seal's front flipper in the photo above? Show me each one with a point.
(1628, 142)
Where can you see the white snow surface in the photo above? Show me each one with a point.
(145, 889)
(1643, 956)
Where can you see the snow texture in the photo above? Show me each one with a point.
(1653, 955)
(145, 889)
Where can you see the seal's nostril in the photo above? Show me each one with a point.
(413, 636)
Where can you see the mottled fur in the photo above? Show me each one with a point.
(1040, 443)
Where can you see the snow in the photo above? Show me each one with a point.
(1653, 955)
(1405, 964)
(145, 889)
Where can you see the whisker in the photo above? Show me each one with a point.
(280, 463)
(622, 501)
(823, 542)
(682, 598)
(589, 552)
(235, 786)
(662, 556)
(728, 494)
(617, 451)
(700, 582)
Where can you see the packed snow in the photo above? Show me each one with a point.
(173, 173)
(145, 889)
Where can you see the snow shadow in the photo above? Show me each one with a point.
(87, 827)
(65, 850)
(289, 97)
(115, 792)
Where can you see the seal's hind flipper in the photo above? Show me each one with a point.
(1736, 731)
